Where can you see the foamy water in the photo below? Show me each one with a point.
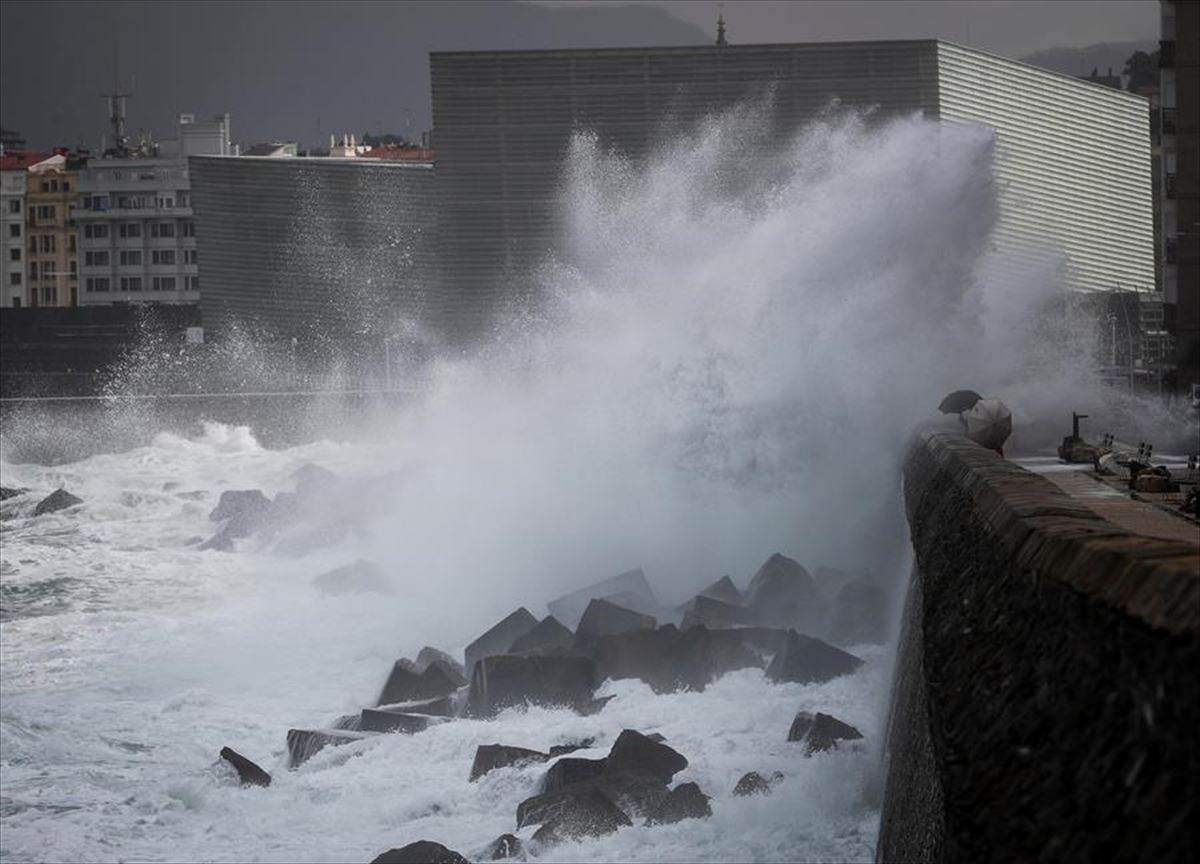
(728, 358)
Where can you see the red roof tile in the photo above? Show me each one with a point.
(20, 160)
(397, 153)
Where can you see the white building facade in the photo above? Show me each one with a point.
(12, 237)
(137, 237)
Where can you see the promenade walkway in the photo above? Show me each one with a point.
(1114, 504)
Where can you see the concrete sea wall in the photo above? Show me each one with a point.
(1046, 704)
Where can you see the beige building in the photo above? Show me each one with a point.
(52, 273)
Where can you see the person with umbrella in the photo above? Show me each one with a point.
(987, 422)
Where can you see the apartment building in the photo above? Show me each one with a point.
(52, 265)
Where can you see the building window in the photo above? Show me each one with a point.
(162, 256)
(166, 203)
(95, 259)
(45, 185)
(14, 254)
(14, 230)
(131, 283)
(66, 185)
(48, 244)
(183, 198)
(193, 283)
(53, 185)
(187, 229)
(162, 229)
(14, 206)
(164, 283)
(74, 270)
(16, 302)
(131, 229)
(99, 231)
(131, 257)
(14, 278)
(47, 212)
(70, 242)
(98, 284)
(189, 256)
(49, 294)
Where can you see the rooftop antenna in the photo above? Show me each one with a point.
(721, 43)
(116, 111)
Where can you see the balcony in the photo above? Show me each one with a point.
(1166, 54)
(1169, 121)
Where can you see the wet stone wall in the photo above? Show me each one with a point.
(1047, 696)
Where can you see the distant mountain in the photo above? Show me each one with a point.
(284, 71)
(1081, 61)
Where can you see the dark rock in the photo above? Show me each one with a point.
(303, 744)
(504, 846)
(860, 614)
(430, 656)
(382, 720)
(766, 641)
(489, 757)
(701, 656)
(634, 601)
(647, 655)
(348, 723)
(497, 640)
(820, 732)
(593, 706)
(421, 852)
(752, 783)
(443, 706)
(507, 680)
(249, 773)
(240, 503)
(570, 770)
(634, 752)
(685, 801)
(548, 634)
(724, 589)
(668, 659)
(405, 685)
(633, 792)
(717, 613)
(564, 749)
(10, 492)
(361, 577)
(782, 594)
(805, 660)
(222, 541)
(602, 618)
(569, 608)
(59, 499)
(580, 811)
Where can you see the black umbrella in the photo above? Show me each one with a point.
(959, 401)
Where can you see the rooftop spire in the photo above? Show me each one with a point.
(721, 43)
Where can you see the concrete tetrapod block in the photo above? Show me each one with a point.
(805, 660)
(497, 639)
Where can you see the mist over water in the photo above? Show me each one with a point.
(733, 343)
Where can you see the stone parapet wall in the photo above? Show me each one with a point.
(1047, 697)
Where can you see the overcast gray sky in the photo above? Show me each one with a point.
(289, 70)
(1010, 27)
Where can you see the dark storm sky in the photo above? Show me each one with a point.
(300, 70)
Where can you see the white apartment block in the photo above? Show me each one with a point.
(12, 237)
(137, 239)
(14, 184)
